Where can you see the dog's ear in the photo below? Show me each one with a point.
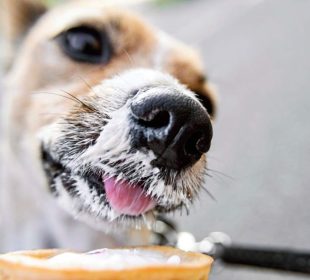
(17, 17)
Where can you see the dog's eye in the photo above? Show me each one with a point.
(86, 44)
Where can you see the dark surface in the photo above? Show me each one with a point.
(257, 52)
(270, 257)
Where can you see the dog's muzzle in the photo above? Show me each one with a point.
(173, 125)
(140, 150)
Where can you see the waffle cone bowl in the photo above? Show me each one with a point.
(39, 265)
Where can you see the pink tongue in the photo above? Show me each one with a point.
(127, 199)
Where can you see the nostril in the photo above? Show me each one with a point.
(157, 119)
(202, 145)
(196, 145)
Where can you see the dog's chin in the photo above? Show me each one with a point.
(97, 198)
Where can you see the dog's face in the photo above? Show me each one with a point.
(121, 111)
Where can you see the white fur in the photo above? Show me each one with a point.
(113, 145)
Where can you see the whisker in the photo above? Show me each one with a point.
(213, 158)
(54, 93)
(186, 209)
(208, 193)
(87, 84)
(217, 178)
(80, 101)
(129, 57)
(58, 114)
(213, 176)
(221, 173)
(62, 123)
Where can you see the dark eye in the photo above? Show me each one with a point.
(86, 44)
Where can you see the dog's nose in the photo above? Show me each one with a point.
(173, 125)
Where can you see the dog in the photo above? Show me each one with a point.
(106, 122)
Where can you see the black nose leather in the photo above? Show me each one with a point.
(173, 125)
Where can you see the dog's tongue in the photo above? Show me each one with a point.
(127, 199)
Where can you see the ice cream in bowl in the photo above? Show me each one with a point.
(136, 263)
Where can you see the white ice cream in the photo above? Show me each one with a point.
(115, 259)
